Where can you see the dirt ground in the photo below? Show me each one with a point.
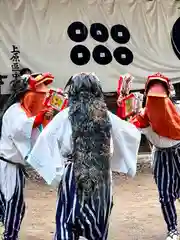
(136, 213)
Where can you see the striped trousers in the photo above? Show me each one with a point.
(12, 211)
(2, 208)
(167, 178)
(89, 219)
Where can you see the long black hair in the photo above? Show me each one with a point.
(91, 133)
(17, 90)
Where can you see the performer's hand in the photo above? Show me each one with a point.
(142, 111)
(49, 114)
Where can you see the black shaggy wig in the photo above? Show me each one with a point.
(91, 133)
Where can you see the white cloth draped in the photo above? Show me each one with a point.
(47, 155)
(39, 28)
(15, 144)
(16, 141)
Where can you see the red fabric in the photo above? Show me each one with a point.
(140, 120)
(160, 113)
(120, 82)
(39, 119)
(163, 117)
(119, 112)
(32, 104)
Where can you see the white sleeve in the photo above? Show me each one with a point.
(126, 141)
(153, 137)
(111, 147)
(48, 155)
(20, 128)
(178, 107)
(158, 141)
(153, 150)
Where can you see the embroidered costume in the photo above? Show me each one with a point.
(22, 115)
(124, 87)
(128, 103)
(77, 151)
(160, 122)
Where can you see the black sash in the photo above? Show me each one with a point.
(17, 164)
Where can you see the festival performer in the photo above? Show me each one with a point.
(22, 115)
(160, 122)
(77, 151)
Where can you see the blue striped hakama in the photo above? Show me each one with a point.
(12, 211)
(75, 218)
(167, 178)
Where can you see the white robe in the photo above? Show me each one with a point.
(55, 140)
(16, 142)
